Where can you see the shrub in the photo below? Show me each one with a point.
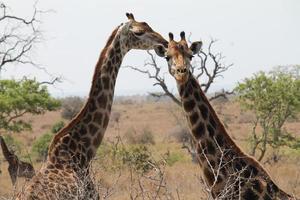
(146, 137)
(181, 134)
(40, 146)
(57, 126)
(71, 106)
(138, 157)
(172, 158)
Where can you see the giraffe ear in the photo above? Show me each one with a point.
(130, 16)
(196, 47)
(160, 50)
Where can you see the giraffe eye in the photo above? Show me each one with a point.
(168, 58)
(138, 33)
(191, 57)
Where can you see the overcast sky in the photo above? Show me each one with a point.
(254, 35)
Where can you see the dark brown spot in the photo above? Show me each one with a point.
(210, 147)
(66, 140)
(211, 130)
(92, 129)
(58, 166)
(220, 140)
(209, 176)
(72, 145)
(82, 161)
(189, 105)
(102, 100)
(83, 130)
(188, 91)
(98, 140)
(204, 111)
(86, 142)
(75, 134)
(105, 82)
(257, 186)
(50, 166)
(253, 170)
(87, 118)
(90, 154)
(250, 195)
(212, 121)
(98, 117)
(92, 105)
(199, 130)
(194, 117)
(197, 96)
(272, 188)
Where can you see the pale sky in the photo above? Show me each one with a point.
(253, 34)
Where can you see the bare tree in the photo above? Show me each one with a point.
(208, 66)
(19, 36)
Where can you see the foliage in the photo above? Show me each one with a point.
(40, 146)
(172, 158)
(20, 97)
(71, 106)
(116, 155)
(181, 134)
(57, 126)
(273, 97)
(145, 137)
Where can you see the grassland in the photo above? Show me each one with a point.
(180, 174)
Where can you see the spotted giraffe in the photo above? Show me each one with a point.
(65, 175)
(16, 167)
(228, 172)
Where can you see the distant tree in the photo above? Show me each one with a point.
(71, 106)
(18, 98)
(273, 97)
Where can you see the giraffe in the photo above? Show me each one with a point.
(16, 167)
(65, 175)
(227, 170)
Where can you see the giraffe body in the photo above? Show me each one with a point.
(16, 167)
(228, 172)
(65, 175)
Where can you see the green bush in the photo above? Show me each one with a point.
(40, 146)
(57, 126)
(117, 156)
(172, 158)
(139, 158)
(146, 137)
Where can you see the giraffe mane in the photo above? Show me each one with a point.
(64, 130)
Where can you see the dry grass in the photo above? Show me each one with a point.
(181, 177)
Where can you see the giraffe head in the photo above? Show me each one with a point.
(141, 35)
(179, 56)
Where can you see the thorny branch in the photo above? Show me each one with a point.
(19, 37)
(209, 67)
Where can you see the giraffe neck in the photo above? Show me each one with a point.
(215, 148)
(79, 140)
(6, 153)
(202, 119)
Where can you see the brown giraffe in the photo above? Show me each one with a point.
(65, 175)
(228, 172)
(16, 167)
